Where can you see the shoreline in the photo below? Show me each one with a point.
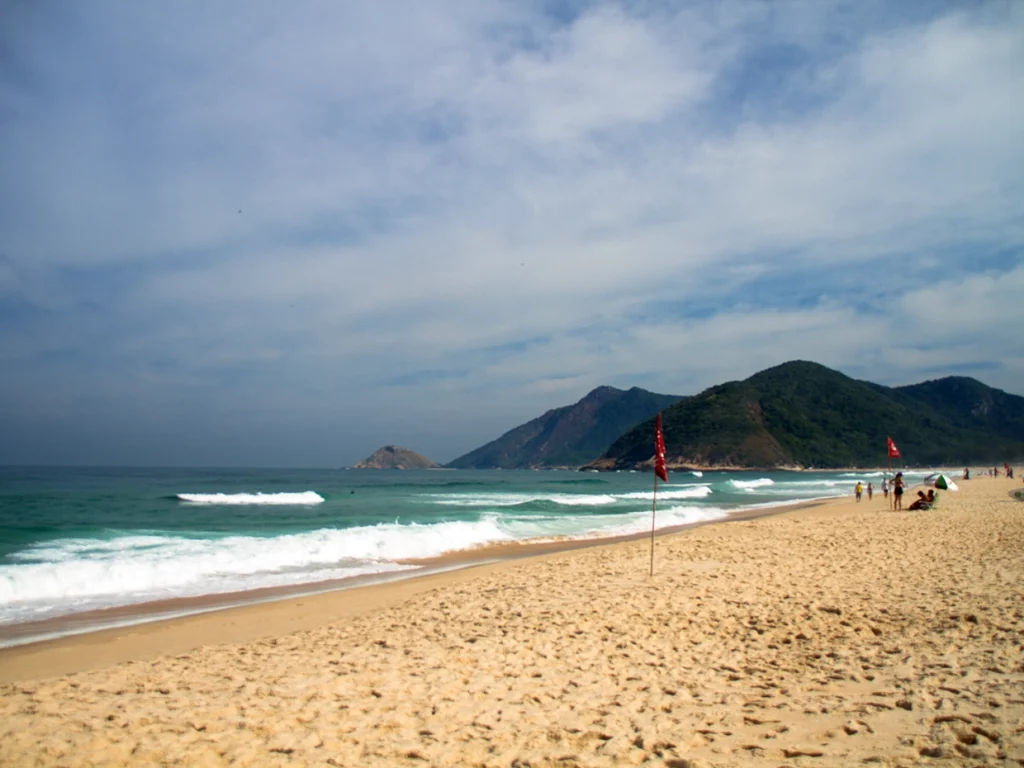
(50, 609)
(839, 633)
(122, 617)
(37, 640)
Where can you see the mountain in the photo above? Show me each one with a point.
(802, 414)
(571, 435)
(393, 457)
(971, 405)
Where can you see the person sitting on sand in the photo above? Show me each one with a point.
(897, 491)
(924, 501)
(920, 502)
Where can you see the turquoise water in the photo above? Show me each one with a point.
(74, 540)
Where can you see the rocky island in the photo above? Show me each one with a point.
(393, 457)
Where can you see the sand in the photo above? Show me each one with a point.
(845, 634)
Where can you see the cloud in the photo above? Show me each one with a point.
(605, 71)
(966, 309)
(437, 222)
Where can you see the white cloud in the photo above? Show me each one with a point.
(605, 71)
(967, 308)
(296, 208)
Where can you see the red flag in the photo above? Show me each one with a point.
(659, 451)
(894, 452)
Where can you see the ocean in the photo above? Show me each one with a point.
(78, 540)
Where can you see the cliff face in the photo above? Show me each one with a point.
(393, 457)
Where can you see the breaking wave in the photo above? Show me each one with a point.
(750, 485)
(305, 497)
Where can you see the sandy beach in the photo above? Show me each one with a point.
(841, 634)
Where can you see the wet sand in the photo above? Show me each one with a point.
(834, 635)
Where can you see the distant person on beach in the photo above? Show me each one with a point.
(897, 491)
(885, 487)
(871, 491)
(967, 473)
(858, 489)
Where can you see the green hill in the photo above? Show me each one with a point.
(969, 404)
(571, 435)
(802, 414)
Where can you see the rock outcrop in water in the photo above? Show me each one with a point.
(393, 457)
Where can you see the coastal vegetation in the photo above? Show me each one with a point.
(801, 414)
(796, 415)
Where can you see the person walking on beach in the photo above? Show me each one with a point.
(897, 491)
(871, 491)
(885, 488)
(858, 490)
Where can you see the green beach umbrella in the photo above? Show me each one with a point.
(941, 482)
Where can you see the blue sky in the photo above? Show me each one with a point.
(287, 234)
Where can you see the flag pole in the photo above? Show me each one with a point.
(654, 507)
(890, 451)
(890, 495)
(661, 471)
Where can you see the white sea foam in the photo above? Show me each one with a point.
(816, 487)
(697, 473)
(750, 485)
(582, 500)
(668, 517)
(515, 499)
(496, 500)
(670, 492)
(539, 528)
(304, 497)
(72, 575)
(79, 574)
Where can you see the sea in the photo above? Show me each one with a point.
(80, 542)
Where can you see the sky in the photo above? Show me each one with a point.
(286, 234)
